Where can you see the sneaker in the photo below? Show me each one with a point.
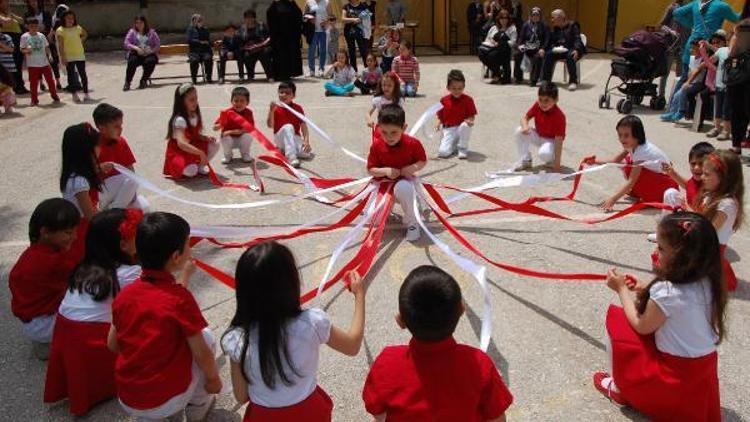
(725, 136)
(142, 84)
(651, 237)
(295, 163)
(55, 99)
(221, 81)
(462, 155)
(666, 116)
(412, 233)
(573, 86)
(604, 383)
(198, 413)
(76, 98)
(523, 165)
(674, 117)
(86, 97)
(713, 133)
(247, 158)
(320, 73)
(304, 155)
(203, 170)
(40, 350)
(328, 93)
(226, 160)
(126, 87)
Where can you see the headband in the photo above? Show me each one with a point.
(717, 162)
(184, 88)
(129, 224)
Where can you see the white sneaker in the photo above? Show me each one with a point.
(310, 74)
(651, 237)
(226, 160)
(203, 170)
(462, 155)
(412, 233)
(247, 158)
(319, 74)
(295, 163)
(572, 87)
(195, 413)
(523, 165)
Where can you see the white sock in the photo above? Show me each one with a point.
(609, 384)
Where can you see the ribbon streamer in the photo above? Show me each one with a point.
(424, 118)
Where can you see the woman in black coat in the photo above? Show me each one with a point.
(532, 37)
(284, 20)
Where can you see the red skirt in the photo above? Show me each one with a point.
(659, 385)
(318, 407)
(650, 186)
(176, 159)
(80, 366)
(730, 278)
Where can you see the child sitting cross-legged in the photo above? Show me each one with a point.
(343, 76)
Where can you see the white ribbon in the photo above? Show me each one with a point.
(424, 118)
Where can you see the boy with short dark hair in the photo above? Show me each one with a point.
(165, 352)
(289, 131)
(397, 156)
(231, 49)
(406, 67)
(35, 47)
(233, 133)
(456, 118)
(548, 134)
(434, 375)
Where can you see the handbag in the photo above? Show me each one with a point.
(737, 69)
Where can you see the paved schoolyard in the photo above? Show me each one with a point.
(548, 336)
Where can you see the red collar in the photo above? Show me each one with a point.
(157, 276)
(419, 346)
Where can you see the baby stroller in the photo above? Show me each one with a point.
(642, 57)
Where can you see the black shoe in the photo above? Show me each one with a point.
(59, 87)
(126, 87)
(42, 87)
(518, 81)
(142, 84)
(21, 91)
(532, 83)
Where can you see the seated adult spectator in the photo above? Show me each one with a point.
(200, 49)
(496, 50)
(256, 45)
(533, 35)
(142, 44)
(564, 43)
(231, 49)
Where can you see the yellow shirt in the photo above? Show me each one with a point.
(71, 42)
(12, 27)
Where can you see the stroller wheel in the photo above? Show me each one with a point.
(619, 105)
(607, 101)
(627, 107)
(637, 99)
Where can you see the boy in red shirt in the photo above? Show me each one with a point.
(233, 134)
(289, 132)
(397, 156)
(41, 275)
(118, 191)
(433, 377)
(548, 134)
(165, 352)
(456, 118)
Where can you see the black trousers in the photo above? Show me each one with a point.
(74, 85)
(536, 65)
(195, 60)
(18, 60)
(135, 60)
(223, 59)
(352, 43)
(252, 58)
(498, 61)
(740, 101)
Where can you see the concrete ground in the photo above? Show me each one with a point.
(548, 336)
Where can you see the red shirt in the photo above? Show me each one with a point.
(693, 188)
(40, 278)
(405, 153)
(115, 151)
(153, 318)
(282, 116)
(549, 124)
(227, 123)
(456, 110)
(441, 381)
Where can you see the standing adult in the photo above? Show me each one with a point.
(564, 43)
(475, 21)
(200, 50)
(284, 19)
(10, 24)
(395, 12)
(737, 79)
(256, 45)
(320, 10)
(142, 45)
(495, 52)
(353, 15)
(670, 22)
(532, 37)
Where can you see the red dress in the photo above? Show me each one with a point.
(80, 367)
(650, 185)
(176, 159)
(659, 385)
(316, 408)
(727, 271)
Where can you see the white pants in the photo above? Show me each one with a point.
(524, 142)
(191, 170)
(404, 193)
(242, 142)
(456, 136)
(120, 192)
(40, 328)
(195, 394)
(288, 142)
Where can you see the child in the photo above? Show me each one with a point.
(233, 135)
(371, 76)
(80, 177)
(397, 156)
(548, 134)
(7, 96)
(6, 56)
(646, 180)
(388, 45)
(81, 367)
(36, 48)
(456, 118)
(663, 345)
(289, 132)
(343, 76)
(40, 276)
(231, 47)
(273, 344)
(722, 109)
(433, 374)
(188, 151)
(406, 67)
(118, 191)
(70, 38)
(692, 186)
(165, 352)
(388, 92)
(694, 83)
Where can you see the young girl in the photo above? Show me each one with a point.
(371, 76)
(343, 76)
(70, 38)
(188, 151)
(80, 367)
(648, 182)
(273, 344)
(40, 276)
(663, 345)
(388, 92)
(7, 97)
(388, 46)
(80, 180)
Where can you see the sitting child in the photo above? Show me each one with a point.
(233, 134)
(388, 46)
(406, 67)
(371, 76)
(343, 76)
(692, 186)
(433, 374)
(7, 96)
(456, 118)
(678, 104)
(231, 49)
(165, 352)
(289, 132)
(548, 134)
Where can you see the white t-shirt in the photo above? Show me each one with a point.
(722, 54)
(687, 331)
(649, 152)
(180, 123)
(38, 44)
(75, 185)
(82, 307)
(729, 207)
(320, 8)
(380, 101)
(304, 336)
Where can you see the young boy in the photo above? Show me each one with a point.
(548, 134)
(397, 156)
(695, 83)
(289, 132)
(456, 118)
(36, 48)
(165, 354)
(231, 47)
(433, 374)
(406, 67)
(118, 191)
(233, 134)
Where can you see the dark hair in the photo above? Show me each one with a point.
(249, 13)
(695, 256)
(396, 87)
(146, 27)
(96, 275)
(105, 113)
(230, 26)
(696, 42)
(406, 44)
(636, 127)
(159, 235)
(39, 7)
(288, 85)
(79, 155)
(32, 21)
(267, 292)
(700, 150)
(65, 15)
(731, 186)
(343, 51)
(392, 114)
(56, 214)
(456, 75)
(429, 302)
(179, 110)
(548, 89)
(241, 91)
(5, 77)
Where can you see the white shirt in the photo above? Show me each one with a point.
(649, 152)
(510, 31)
(320, 8)
(82, 307)
(304, 336)
(38, 44)
(180, 123)
(75, 185)
(722, 55)
(729, 207)
(380, 101)
(687, 331)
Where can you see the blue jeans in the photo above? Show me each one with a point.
(409, 89)
(677, 103)
(318, 46)
(683, 78)
(339, 89)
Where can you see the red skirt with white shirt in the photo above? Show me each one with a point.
(317, 407)
(659, 385)
(176, 159)
(650, 186)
